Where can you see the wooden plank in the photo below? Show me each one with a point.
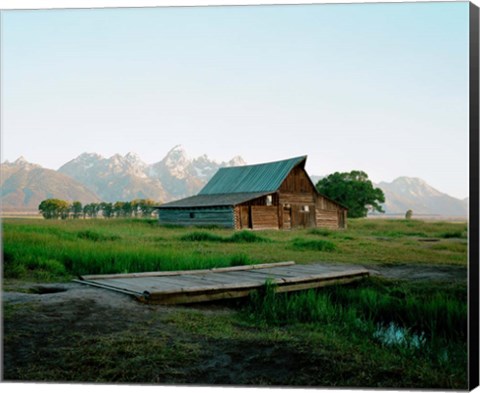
(293, 271)
(173, 282)
(241, 290)
(317, 284)
(250, 276)
(194, 281)
(215, 278)
(230, 277)
(326, 276)
(155, 281)
(188, 298)
(213, 288)
(106, 286)
(179, 272)
(323, 268)
(125, 284)
(270, 273)
(162, 283)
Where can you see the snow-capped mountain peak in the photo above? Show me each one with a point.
(416, 194)
(236, 161)
(175, 176)
(21, 162)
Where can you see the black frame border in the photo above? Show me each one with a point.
(473, 276)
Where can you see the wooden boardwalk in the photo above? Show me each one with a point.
(223, 283)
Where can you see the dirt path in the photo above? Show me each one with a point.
(420, 272)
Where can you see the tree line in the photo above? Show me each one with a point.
(59, 209)
(352, 189)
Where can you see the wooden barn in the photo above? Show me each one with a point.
(274, 195)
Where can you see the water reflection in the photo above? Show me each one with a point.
(394, 334)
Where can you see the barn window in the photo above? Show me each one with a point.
(306, 209)
(192, 215)
(269, 200)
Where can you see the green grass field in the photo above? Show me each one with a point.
(51, 250)
(372, 333)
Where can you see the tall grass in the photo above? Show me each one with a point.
(437, 314)
(237, 237)
(269, 308)
(29, 252)
(37, 248)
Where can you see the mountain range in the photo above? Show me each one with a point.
(406, 193)
(92, 178)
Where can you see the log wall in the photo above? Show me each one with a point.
(221, 216)
(327, 219)
(326, 204)
(264, 217)
(329, 214)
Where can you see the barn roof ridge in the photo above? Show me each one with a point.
(263, 177)
(299, 158)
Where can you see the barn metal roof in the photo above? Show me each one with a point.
(213, 200)
(264, 178)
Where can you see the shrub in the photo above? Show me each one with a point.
(314, 245)
(240, 260)
(237, 237)
(201, 236)
(320, 232)
(452, 235)
(246, 237)
(95, 236)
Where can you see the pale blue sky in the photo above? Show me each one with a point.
(377, 87)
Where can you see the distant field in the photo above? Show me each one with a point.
(15, 214)
(55, 249)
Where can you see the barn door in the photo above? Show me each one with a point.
(245, 217)
(287, 218)
(341, 219)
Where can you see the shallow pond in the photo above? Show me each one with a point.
(393, 334)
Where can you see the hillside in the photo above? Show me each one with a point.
(24, 185)
(115, 178)
(406, 193)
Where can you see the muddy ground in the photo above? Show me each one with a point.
(41, 321)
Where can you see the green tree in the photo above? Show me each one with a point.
(76, 209)
(94, 208)
(136, 206)
(353, 190)
(118, 209)
(127, 209)
(107, 209)
(91, 210)
(143, 207)
(54, 208)
(147, 207)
